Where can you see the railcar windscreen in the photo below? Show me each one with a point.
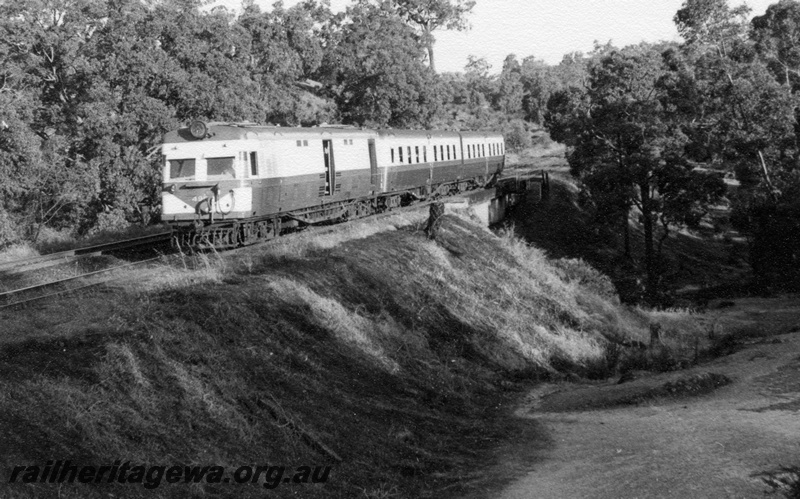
(220, 168)
(180, 168)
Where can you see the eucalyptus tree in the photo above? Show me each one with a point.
(46, 73)
(431, 15)
(739, 106)
(627, 148)
(374, 66)
(510, 91)
(776, 34)
(286, 47)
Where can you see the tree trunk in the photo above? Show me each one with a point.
(626, 232)
(426, 32)
(649, 254)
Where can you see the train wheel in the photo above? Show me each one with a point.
(362, 209)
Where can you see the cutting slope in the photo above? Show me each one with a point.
(388, 356)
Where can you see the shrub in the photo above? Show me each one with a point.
(517, 136)
(110, 221)
(9, 231)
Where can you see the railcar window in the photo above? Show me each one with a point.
(409, 155)
(425, 153)
(253, 164)
(221, 167)
(483, 148)
(416, 153)
(435, 155)
(181, 168)
(441, 152)
(391, 151)
(448, 151)
(400, 153)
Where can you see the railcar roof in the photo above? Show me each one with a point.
(233, 131)
(248, 131)
(388, 132)
(487, 134)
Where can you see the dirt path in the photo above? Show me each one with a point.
(709, 446)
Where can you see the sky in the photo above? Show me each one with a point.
(546, 29)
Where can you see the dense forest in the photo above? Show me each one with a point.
(88, 87)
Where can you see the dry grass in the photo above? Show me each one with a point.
(349, 327)
(388, 347)
(17, 252)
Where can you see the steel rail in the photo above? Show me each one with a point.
(87, 251)
(8, 294)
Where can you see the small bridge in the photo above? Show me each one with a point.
(490, 205)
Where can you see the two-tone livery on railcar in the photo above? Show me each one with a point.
(227, 184)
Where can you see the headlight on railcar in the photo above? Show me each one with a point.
(198, 129)
(171, 188)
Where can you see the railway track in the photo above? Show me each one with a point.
(43, 261)
(36, 292)
(27, 289)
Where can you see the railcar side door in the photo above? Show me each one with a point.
(330, 167)
(373, 166)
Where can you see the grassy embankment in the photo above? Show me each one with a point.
(397, 354)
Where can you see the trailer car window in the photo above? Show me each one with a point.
(253, 164)
(181, 168)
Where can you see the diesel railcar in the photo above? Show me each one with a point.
(227, 184)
